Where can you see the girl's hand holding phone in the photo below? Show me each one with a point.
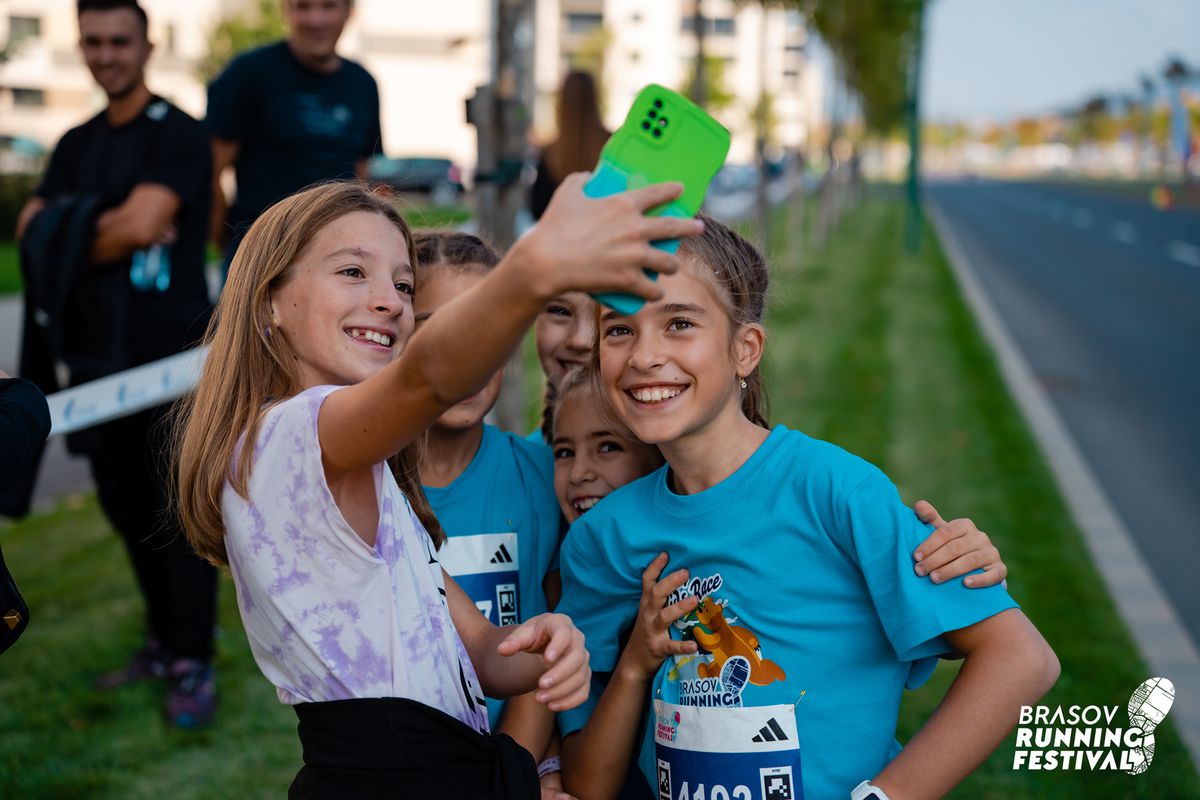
(598, 245)
(567, 678)
(651, 640)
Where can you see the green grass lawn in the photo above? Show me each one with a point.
(868, 347)
(10, 269)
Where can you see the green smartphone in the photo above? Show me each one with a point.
(665, 137)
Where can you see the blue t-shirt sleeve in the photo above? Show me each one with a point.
(598, 600)
(230, 102)
(914, 611)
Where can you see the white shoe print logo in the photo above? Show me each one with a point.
(1148, 706)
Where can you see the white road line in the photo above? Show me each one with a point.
(1124, 232)
(1152, 621)
(1182, 251)
(1082, 218)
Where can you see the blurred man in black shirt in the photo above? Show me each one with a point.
(149, 165)
(288, 115)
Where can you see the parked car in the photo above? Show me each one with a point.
(437, 177)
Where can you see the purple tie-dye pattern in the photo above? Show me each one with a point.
(327, 617)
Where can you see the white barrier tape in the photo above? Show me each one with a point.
(125, 393)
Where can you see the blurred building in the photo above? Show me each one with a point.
(428, 57)
(640, 43)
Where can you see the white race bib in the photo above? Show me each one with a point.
(719, 753)
(487, 568)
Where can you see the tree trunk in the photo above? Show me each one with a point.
(501, 113)
(762, 209)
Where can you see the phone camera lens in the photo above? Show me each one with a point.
(658, 133)
(658, 103)
(652, 113)
(645, 125)
(662, 123)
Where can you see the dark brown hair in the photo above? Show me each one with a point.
(581, 134)
(453, 249)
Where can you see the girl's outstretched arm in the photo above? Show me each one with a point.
(585, 244)
(1006, 664)
(545, 653)
(596, 758)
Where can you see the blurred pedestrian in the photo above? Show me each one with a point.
(289, 115)
(24, 425)
(581, 137)
(129, 192)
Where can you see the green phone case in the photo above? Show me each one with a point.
(665, 137)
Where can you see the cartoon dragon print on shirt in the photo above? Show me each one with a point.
(723, 641)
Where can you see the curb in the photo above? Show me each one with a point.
(1152, 621)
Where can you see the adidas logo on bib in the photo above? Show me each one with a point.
(771, 732)
(502, 556)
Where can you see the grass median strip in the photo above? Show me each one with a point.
(869, 348)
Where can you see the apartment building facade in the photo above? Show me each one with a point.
(428, 57)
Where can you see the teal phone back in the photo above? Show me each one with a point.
(665, 137)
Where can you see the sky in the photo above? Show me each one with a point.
(997, 59)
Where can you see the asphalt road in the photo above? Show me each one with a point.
(1102, 295)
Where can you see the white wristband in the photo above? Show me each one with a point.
(549, 766)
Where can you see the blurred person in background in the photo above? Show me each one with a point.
(581, 136)
(288, 115)
(133, 291)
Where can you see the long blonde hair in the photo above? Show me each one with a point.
(248, 368)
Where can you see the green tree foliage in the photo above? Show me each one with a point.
(872, 41)
(717, 94)
(233, 35)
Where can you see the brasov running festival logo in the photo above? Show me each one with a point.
(1090, 737)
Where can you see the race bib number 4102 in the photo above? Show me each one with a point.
(486, 567)
(727, 753)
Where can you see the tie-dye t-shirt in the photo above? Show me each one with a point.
(328, 616)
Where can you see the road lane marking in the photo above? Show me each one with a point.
(1124, 232)
(1182, 251)
(1082, 218)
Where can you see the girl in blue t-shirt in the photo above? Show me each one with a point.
(311, 369)
(796, 618)
(491, 490)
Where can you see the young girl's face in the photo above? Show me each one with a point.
(590, 461)
(347, 307)
(565, 332)
(440, 285)
(667, 370)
